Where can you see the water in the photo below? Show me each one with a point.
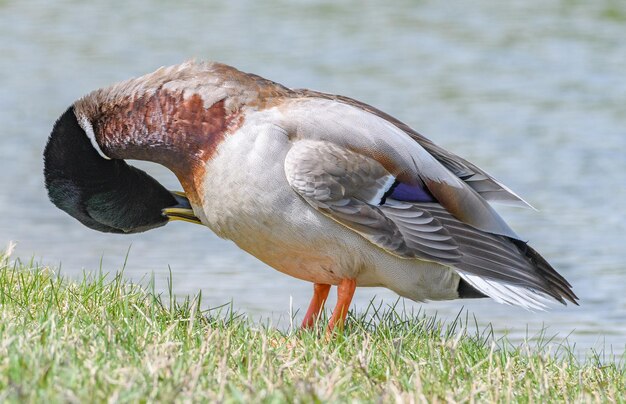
(533, 92)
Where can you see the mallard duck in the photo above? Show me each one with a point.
(321, 187)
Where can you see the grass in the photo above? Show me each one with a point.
(103, 339)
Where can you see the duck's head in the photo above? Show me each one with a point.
(176, 117)
(102, 193)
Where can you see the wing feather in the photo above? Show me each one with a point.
(373, 139)
(483, 183)
(340, 183)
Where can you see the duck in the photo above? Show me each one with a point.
(321, 187)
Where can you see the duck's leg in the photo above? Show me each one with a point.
(345, 291)
(320, 293)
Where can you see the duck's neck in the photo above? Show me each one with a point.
(167, 128)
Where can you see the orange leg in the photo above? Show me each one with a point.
(320, 293)
(345, 291)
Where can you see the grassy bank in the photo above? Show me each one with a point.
(103, 339)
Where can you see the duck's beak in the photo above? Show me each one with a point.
(182, 210)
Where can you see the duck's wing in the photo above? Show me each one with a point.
(375, 180)
(478, 179)
(358, 130)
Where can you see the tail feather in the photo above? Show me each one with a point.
(560, 287)
(527, 296)
(522, 296)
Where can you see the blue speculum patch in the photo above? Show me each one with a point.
(410, 193)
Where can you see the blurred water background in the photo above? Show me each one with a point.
(534, 92)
